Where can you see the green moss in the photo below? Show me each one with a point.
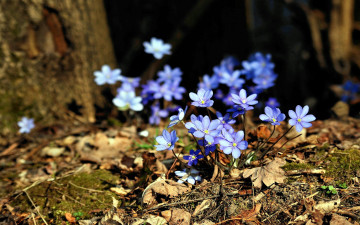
(73, 194)
(343, 164)
(298, 166)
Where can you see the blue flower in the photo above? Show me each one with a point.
(209, 146)
(175, 119)
(202, 98)
(207, 129)
(232, 79)
(237, 110)
(107, 76)
(166, 141)
(273, 115)
(262, 63)
(225, 121)
(272, 102)
(154, 119)
(175, 90)
(132, 81)
(125, 100)
(26, 124)
(193, 157)
(244, 101)
(191, 125)
(265, 80)
(169, 74)
(233, 143)
(300, 119)
(350, 90)
(157, 48)
(190, 176)
(208, 82)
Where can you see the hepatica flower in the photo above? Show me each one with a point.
(125, 100)
(209, 146)
(190, 176)
(26, 125)
(191, 125)
(272, 115)
(107, 76)
(207, 129)
(175, 119)
(225, 121)
(202, 98)
(272, 102)
(169, 74)
(299, 119)
(193, 157)
(157, 47)
(208, 82)
(233, 143)
(244, 101)
(166, 141)
(232, 79)
(156, 113)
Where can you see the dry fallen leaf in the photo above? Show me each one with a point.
(339, 220)
(263, 132)
(164, 187)
(268, 174)
(177, 216)
(70, 218)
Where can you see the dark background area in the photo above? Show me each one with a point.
(237, 28)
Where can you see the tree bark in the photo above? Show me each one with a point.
(49, 50)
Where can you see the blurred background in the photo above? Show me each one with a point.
(50, 49)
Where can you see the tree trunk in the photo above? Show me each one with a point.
(48, 52)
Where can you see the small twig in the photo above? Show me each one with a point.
(88, 189)
(32, 215)
(36, 208)
(309, 172)
(172, 166)
(267, 150)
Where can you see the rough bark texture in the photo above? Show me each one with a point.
(48, 52)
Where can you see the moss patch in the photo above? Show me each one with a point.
(297, 166)
(74, 194)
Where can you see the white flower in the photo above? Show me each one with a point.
(26, 124)
(157, 47)
(125, 100)
(189, 176)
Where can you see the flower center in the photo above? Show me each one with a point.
(193, 157)
(202, 102)
(234, 144)
(209, 143)
(168, 144)
(223, 121)
(243, 101)
(299, 120)
(263, 64)
(206, 131)
(274, 120)
(107, 76)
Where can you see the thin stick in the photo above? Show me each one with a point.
(267, 150)
(88, 189)
(172, 166)
(35, 207)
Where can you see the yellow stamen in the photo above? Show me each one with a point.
(299, 120)
(193, 157)
(168, 144)
(244, 101)
(206, 131)
(234, 144)
(274, 120)
(202, 101)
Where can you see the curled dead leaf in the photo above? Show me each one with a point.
(263, 132)
(177, 216)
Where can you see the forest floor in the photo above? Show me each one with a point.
(89, 174)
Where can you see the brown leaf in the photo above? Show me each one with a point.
(177, 216)
(263, 132)
(168, 188)
(268, 174)
(70, 218)
(249, 215)
(339, 220)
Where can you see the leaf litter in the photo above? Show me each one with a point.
(279, 191)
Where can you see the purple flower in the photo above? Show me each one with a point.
(244, 101)
(175, 90)
(273, 116)
(191, 125)
(175, 119)
(209, 146)
(265, 80)
(300, 119)
(219, 94)
(232, 79)
(208, 82)
(125, 100)
(202, 98)
(125, 87)
(233, 143)
(166, 141)
(26, 124)
(154, 119)
(238, 110)
(190, 176)
(132, 81)
(193, 157)
(272, 102)
(262, 63)
(225, 121)
(157, 48)
(107, 76)
(169, 74)
(207, 129)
